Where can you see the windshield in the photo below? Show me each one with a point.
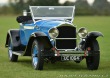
(52, 11)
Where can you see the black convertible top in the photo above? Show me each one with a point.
(21, 19)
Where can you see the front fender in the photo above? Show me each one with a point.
(94, 34)
(89, 38)
(40, 37)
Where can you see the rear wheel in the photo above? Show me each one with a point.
(37, 58)
(93, 61)
(12, 57)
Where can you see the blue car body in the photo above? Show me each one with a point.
(42, 26)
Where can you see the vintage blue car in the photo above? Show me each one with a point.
(47, 33)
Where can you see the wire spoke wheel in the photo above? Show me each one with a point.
(12, 57)
(37, 58)
(34, 56)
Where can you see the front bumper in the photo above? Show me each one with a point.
(71, 53)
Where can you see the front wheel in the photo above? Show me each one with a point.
(37, 58)
(12, 57)
(93, 61)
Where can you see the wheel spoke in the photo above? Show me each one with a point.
(34, 57)
(37, 60)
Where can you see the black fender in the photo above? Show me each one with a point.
(94, 34)
(40, 37)
(89, 38)
(14, 35)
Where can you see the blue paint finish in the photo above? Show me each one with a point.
(26, 33)
(49, 23)
(22, 37)
(42, 26)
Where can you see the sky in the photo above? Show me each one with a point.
(3, 1)
(61, 1)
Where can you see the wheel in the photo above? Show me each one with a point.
(12, 57)
(93, 61)
(37, 58)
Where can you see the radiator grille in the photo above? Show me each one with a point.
(66, 38)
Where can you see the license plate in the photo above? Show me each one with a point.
(68, 58)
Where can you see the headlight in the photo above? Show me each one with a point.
(82, 32)
(53, 33)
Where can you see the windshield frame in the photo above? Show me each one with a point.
(34, 18)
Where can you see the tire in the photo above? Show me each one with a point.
(12, 57)
(37, 58)
(93, 61)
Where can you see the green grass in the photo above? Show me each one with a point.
(23, 68)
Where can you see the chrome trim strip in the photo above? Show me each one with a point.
(32, 14)
(70, 55)
(64, 49)
(16, 53)
(65, 38)
(72, 52)
(66, 24)
(28, 27)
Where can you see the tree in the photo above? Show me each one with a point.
(18, 6)
(83, 8)
(101, 7)
(68, 3)
(43, 2)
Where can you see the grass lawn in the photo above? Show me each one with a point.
(23, 68)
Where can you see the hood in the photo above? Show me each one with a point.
(49, 23)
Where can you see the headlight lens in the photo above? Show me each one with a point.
(53, 33)
(82, 32)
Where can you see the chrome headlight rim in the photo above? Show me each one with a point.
(82, 32)
(53, 33)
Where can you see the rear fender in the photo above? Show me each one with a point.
(13, 34)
